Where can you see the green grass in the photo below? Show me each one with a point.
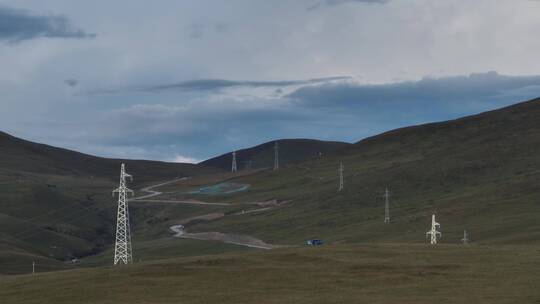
(368, 273)
(480, 173)
(164, 248)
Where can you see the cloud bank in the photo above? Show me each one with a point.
(328, 3)
(340, 110)
(212, 85)
(17, 25)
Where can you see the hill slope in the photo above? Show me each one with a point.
(480, 173)
(55, 204)
(262, 156)
(329, 274)
(25, 156)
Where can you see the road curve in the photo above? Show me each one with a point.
(153, 193)
(179, 229)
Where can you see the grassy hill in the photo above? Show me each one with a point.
(19, 155)
(391, 273)
(262, 156)
(56, 204)
(480, 173)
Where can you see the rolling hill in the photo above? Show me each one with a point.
(24, 156)
(262, 156)
(479, 173)
(55, 204)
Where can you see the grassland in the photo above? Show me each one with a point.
(480, 173)
(292, 151)
(56, 204)
(363, 273)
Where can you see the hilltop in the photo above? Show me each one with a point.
(479, 173)
(262, 156)
(20, 155)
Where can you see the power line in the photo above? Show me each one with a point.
(433, 232)
(122, 247)
(276, 156)
(386, 206)
(233, 169)
(340, 171)
(465, 240)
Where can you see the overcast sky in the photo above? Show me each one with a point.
(187, 80)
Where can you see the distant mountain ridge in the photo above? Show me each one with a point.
(22, 155)
(479, 173)
(262, 156)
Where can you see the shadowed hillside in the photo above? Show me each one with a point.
(56, 204)
(480, 173)
(262, 156)
(24, 156)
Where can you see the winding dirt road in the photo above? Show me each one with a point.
(179, 229)
(153, 193)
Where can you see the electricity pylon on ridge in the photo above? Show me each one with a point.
(434, 233)
(233, 169)
(276, 156)
(340, 170)
(123, 253)
(465, 240)
(386, 206)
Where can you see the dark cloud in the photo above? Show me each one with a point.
(449, 92)
(328, 3)
(17, 25)
(209, 85)
(71, 82)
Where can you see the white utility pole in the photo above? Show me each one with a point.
(33, 267)
(465, 240)
(433, 232)
(276, 156)
(122, 247)
(340, 171)
(233, 169)
(386, 206)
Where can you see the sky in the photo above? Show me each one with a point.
(187, 80)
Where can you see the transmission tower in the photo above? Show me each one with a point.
(276, 156)
(340, 170)
(247, 164)
(233, 169)
(465, 240)
(433, 232)
(386, 206)
(122, 247)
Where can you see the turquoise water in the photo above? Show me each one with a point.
(221, 188)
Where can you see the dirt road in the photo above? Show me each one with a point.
(179, 229)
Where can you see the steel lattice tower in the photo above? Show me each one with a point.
(340, 170)
(233, 169)
(465, 240)
(386, 206)
(433, 232)
(122, 247)
(276, 156)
